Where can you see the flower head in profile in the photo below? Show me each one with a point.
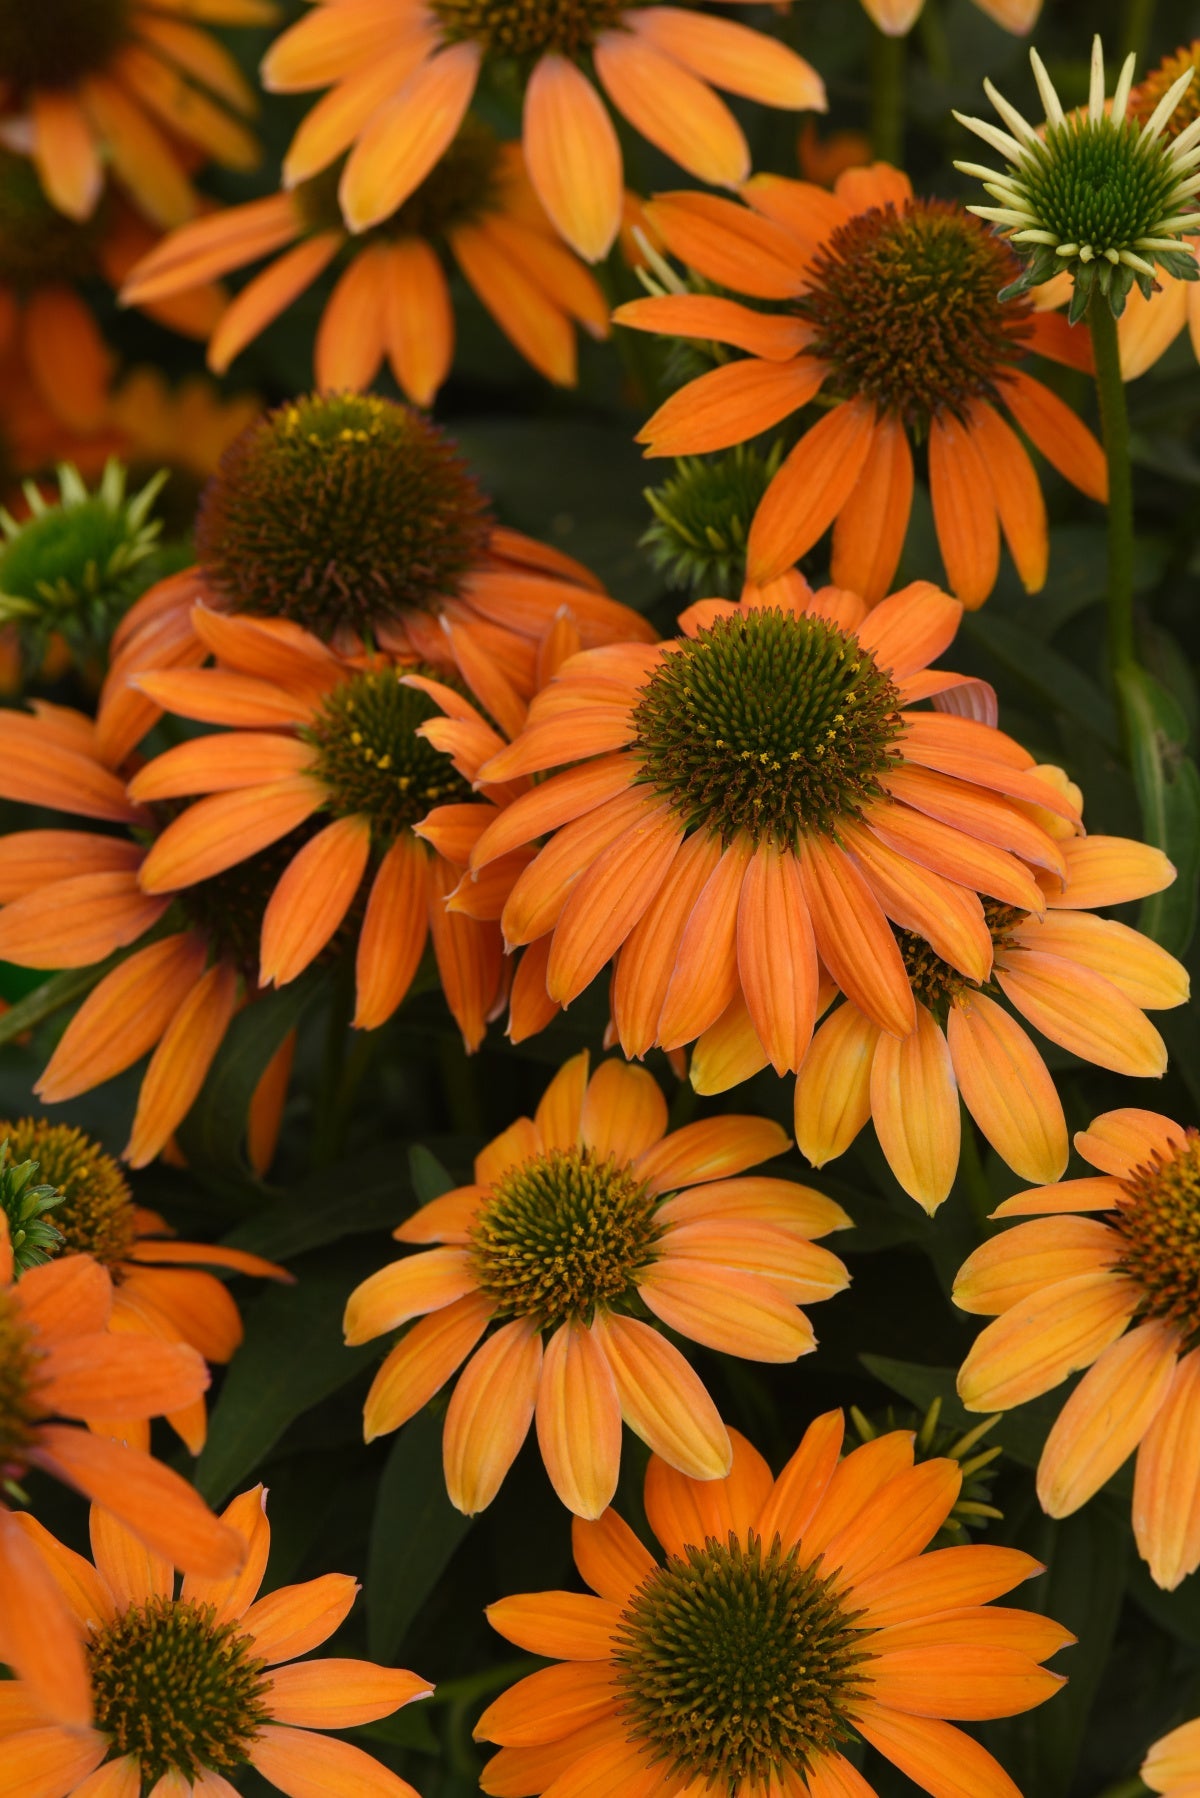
(1172, 1764)
(1081, 981)
(582, 1223)
(1118, 1294)
(784, 1621)
(1149, 327)
(474, 210)
(357, 519)
(884, 306)
(186, 1686)
(1102, 195)
(59, 1360)
(71, 899)
(160, 1288)
(753, 804)
(401, 80)
(127, 85)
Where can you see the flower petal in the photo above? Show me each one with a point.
(489, 1414)
(1037, 1343)
(1106, 1416)
(1166, 1487)
(662, 1399)
(579, 1420)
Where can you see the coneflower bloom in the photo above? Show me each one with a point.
(71, 898)
(579, 1221)
(897, 17)
(1084, 982)
(127, 85)
(187, 1686)
(784, 1620)
(1119, 1295)
(357, 519)
(334, 751)
(403, 77)
(392, 300)
(160, 1289)
(1149, 326)
(1172, 1765)
(58, 1360)
(885, 306)
(758, 797)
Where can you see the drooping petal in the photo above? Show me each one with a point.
(914, 1105)
(304, 1764)
(810, 489)
(312, 897)
(662, 1399)
(942, 1760)
(393, 934)
(777, 956)
(1106, 1416)
(123, 1017)
(579, 1420)
(854, 939)
(405, 138)
(678, 114)
(705, 975)
(572, 155)
(833, 1090)
(870, 528)
(422, 1361)
(1166, 1487)
(1007, 1088)
(490, 1413)
(1054, 1332)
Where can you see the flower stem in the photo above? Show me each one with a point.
(1139, 21)
(887, 97)
(1125, 1788)
(1114, 419)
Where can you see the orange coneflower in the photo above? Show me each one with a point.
(1148, 327)
(71, 897)
(1083, 982)
(579, 1219)
(58, 1360)
(897, 17)
(885, 306)
(186, 1687)
(785, 1619)
(159, 1286)
(1066, 1289)
(333, 750)
(1172, 1765)
(123, 83)
(758, 794)
(403, 77)
(392, 299)
(356, 518)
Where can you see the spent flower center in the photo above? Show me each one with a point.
(52, 46)
(18, 1379)
(95, 1212)
(735, 1663)
(905, 309)
(1158, 1218)
(527, 28)
(176, 1688)
(561, 1234)
(373, 762)
(768, 723)
(341, 511)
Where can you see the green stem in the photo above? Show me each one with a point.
(934, 41)
(1114, 419)
(887, 97)
(1135, 32)
(970, 1167)
(1124, 1788)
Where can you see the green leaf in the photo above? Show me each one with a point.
(1168, 787)
(414, 1532)
(293, 1356)
(430, 1179)
(214, 1130)
(54, 995)
(1057, 682)
(368, 1192)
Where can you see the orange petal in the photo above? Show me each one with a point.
(709, 1150)
(662, 1400)
(941, 1759)
(730, 404)
(607, 901)
(1016, 494)
(1142, 970)
(1058, 432)
(792, 1502)
(684, 1512)
(833, 1090)
(773, 336)
(910, 629)
(64, 1299)
(1083, 1012)
(351, 337)
(407, 1289)
(914, 1104)
(181, 1061)
(73, 923)
(610, 1558)
(490, 1413)
(45, 1763)
(572, 155)
(65, 152)
(964, 511)
(30, 859)
(777, 956)
(312, 897)
(1097, 1193)
(306, 1765)
(728, 1052)
(810, 489)
(469, 957)
(1106, 1416)
(1007, 1088)
(405, 138)
(678, 114)
(1166, 1487)
(949, 850)
(296, 1619)
(560, 1109)
(943, 1581)
(549, 1704)
(418, 319)
(217, 833)
(973, 1682)
(579, 1420)
(394, 930)
(215, 764)
(521, 305)
(340, 1694)
(1009, 1268)
(269, 294)
(1037, 1343)
(949, 917)
(648, 955)
(1110, 870)
(1119, 1141)
(624, 1112)
(732, 56)
(123, 1017)
(42, 1642)
(870, 528)
(38, 769)
(737, 1313)
(558, 1625)
(68, 358)
(855, 1481)
(899, 1520)
(705, 976)
(119, 1376)
(854, 939)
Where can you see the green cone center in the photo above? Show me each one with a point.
(1097, 185)
(176, 1688)
(561, 1234)
(904, 305)
(768, 723)
(735, 1663)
